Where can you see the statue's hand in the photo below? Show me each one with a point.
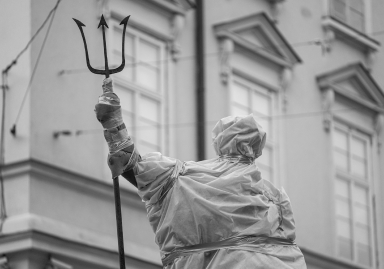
(122, 154)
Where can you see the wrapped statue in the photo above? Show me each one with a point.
(218, 213)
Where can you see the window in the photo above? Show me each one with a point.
(350, 12)
(250, 98)
(353, 226)
(139, 87)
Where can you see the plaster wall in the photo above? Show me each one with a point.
(15, 33)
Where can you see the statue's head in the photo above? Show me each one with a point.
(239, 135)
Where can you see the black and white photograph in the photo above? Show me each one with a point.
(192, 134)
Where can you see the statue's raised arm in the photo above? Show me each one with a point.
(122, 155)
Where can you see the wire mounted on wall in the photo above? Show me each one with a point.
(51, 15)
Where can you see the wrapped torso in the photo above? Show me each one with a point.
(192, 203)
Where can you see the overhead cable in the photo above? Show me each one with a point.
(13, 129)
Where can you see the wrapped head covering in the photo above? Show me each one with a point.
(239, 135)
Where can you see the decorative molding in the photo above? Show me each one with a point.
(29, 231)
(169, 6)
(276, 7)
(4, 263)
(379, 124)
(345, 33)
(370, 59)
(274, 47)
(177, 26)
(319, 260)
(45, 171)
(143, 28)
(329, 38)
(362, 90)
(379, 129)
(255, 80)
(328, 101)
(56, 264)
(227, 47)
(285, 80)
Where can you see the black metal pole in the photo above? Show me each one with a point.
(200, 80)
(119, 222)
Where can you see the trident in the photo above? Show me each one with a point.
(107, 72)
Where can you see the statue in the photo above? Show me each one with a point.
(217, 213)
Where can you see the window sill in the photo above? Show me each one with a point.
(275, 1)
(354, 37)
(169, 6)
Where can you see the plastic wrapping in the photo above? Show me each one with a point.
(197, 203)
(122, 153)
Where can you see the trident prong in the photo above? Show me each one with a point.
(103, 24)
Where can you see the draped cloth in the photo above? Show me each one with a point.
(219, 213)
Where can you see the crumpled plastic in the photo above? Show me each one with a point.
(190, 203)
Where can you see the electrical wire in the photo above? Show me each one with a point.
(53, 13)
(30, 41)
(186, 124)
(313, 42)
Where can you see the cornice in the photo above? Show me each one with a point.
(33, 232)
(46, 171)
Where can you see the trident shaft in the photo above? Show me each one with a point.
(107, 72)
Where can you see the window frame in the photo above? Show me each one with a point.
(271, 142)
(367, 28)
(138, 90)
(355, 182)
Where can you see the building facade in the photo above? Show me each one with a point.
(309, 70)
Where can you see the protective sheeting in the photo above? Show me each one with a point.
(192, 203)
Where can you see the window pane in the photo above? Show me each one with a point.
(357, 5)
(144, 148)
(359, 168)
(128, 71)
(261, 104)
(343, 228)
(345, 248)
(362, 234)
(149, 109)
(149, 131)
(340, 140)
(264, 121)
(265, 173)
(127, 106)
(361, 196)
(363, 254)
(126, 98)
(342, 188)
(356, 20)
(358, 148)
(338, 9)
(343, 208)
(361, 215)
(148, 66)
(240, 95)
(341, 159)
(266, 157)
(148, 77)
(261, 108)
(264, 162)
(149, 53)
(239, 111)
